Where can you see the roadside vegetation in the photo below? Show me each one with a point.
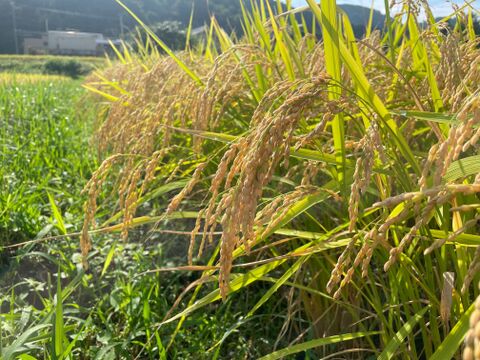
(266, 197)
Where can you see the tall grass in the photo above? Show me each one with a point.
(43, 163)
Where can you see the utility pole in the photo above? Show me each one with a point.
(14, 24)
(122, 33)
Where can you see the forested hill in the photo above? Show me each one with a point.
(106, 16)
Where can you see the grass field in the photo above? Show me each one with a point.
(49, 64)
(273, 196)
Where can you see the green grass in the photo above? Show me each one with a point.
(44, 150)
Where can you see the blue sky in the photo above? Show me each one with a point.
(439, 7)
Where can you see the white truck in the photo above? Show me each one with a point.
(74, 43)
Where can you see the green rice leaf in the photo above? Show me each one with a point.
(428, 116)
(453, 341)
(331, 41)
(390, 349)
(462, 168)
(316, 343)
(153, 194)
(291, 270)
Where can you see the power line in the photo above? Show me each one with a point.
(65, 12)
(72, 13)
(111, 19)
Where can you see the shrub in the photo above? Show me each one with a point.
(71, 68)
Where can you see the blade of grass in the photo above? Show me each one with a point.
(16, 347)
(164, 46)
(58, 328)
(330, 30)
(57, 215)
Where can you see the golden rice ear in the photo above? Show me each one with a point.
(175, 203)
(472, 338)
(85, 246)
(92, 189)
(257, 159)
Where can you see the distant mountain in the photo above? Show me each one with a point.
(359, 15)
(29, 18)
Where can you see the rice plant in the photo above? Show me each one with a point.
(343, 169)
